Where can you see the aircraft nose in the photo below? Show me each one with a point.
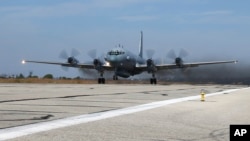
(111, 59)
(114, 59)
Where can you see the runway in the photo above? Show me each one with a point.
(28, 105)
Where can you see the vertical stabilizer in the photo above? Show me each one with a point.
(141, 46)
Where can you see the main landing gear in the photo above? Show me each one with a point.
(115, 77)
(101, 80)
(153, 80)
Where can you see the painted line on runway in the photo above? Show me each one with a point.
(19, 131)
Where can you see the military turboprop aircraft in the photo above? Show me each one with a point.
(125, 63)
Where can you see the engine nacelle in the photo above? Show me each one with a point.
(96, 62)
(98, 65)
(72, 61)
(150, 62)
(179, 62)
(151, 66)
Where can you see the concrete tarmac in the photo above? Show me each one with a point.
(27, 104)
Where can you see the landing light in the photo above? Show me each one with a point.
(107, 64)
(23, 62)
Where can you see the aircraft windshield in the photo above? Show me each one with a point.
(116, 52)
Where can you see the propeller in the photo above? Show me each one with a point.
(86, 73)
(93, 54)
(182, 54)
(65, 68)
(70, 59)
(171, 54)
(74, 52)
(150, 53)
(64, 54)
(178, 60)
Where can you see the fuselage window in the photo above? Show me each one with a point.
(116, 52)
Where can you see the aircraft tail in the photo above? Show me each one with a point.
(141, 46)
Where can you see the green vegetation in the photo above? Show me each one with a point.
(48, 76)
(20, 76)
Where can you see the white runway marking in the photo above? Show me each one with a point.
(15, 132)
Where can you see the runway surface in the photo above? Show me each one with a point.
(120, 112)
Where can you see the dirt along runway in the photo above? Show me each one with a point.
(120, 112)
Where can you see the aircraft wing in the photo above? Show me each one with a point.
(78, 65)
(185, 65)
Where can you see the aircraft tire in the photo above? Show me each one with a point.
(115, 77)
(103, 80)
(155, 81)
(151, 80)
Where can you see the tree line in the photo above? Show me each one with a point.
(46, 76)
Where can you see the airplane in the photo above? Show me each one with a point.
(125, 63)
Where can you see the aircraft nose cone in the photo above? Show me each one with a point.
(111, 59)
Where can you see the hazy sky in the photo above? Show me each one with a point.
(40, 30)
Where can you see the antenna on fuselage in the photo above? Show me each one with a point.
(141, 46)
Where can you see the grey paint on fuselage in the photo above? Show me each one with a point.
(124, 62)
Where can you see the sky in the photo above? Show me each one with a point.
(209, 30)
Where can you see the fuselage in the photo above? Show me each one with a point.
(124, 62)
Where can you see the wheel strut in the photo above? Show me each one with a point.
(153, 80)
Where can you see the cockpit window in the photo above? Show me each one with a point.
(116, 52)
